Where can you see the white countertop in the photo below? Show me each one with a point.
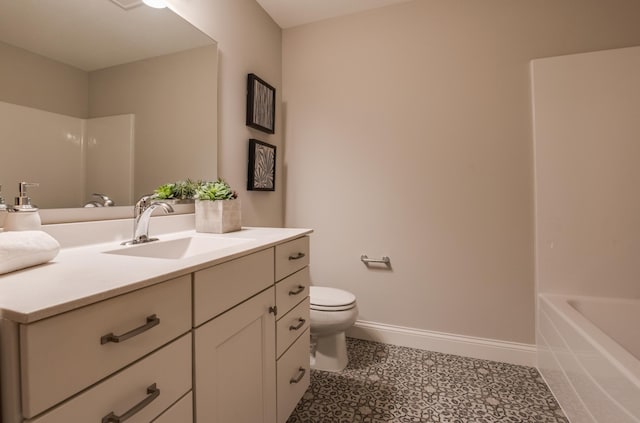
(83, 275)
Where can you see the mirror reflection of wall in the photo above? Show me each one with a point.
(79, 127)
(69, 153)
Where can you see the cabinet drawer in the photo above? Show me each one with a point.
(293, 376)
(180, 412)
(219, 288)
(73, 341)
(290, 326)
(168, 368)
(291, 290)
(291, 257)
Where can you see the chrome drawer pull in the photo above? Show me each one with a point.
(152, 394)
(152, 321)
(298, 290)
(297, 256)
(300, 324)
(384, 259)
(298, 378)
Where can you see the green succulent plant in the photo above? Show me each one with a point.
(186, 189)
(164, 192)
(217, 190)
(181, 190)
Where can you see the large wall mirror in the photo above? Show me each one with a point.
(103, 96)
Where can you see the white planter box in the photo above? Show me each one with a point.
(218, 216)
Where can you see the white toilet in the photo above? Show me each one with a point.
(332, 312)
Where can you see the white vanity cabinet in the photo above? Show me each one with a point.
(248, 367)
(228, 341)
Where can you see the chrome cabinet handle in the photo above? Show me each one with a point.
(152, 394)
(367, 260)
(152, 321)
(298, 290)
(301, 323)
(297, 256)
(299, 376)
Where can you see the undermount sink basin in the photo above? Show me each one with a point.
(178, 248)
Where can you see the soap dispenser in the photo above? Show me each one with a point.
(3, 209)
(23, 216)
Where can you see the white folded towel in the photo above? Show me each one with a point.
(22, 249)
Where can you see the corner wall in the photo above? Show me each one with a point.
(408, 134)
(248, 42)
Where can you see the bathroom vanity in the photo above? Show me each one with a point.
(194, 327)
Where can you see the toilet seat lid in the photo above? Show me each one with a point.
(326, 298)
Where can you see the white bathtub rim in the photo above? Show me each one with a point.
(621, 359)
(557, 395)
(595, 383)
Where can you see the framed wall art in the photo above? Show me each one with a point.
(262, 166)
(261, 104)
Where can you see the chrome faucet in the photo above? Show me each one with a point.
(141, 215)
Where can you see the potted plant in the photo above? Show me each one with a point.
(217, 208)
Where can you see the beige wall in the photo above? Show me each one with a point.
(248, 42)
(408, 134)
(28, 79)
(587, 174)
(173, 98)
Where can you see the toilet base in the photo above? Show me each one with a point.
(329, 353)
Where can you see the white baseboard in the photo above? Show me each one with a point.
(469, 346)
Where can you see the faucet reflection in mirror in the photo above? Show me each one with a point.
(101, 200)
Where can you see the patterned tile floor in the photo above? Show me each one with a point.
(386, 383)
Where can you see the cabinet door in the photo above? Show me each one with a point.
(235, 374)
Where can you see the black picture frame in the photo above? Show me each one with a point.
(261, 104)
(261, 174)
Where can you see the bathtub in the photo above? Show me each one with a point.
(589, 355)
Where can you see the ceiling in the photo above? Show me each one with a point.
(59, 21)
(290, 13)
(111, 35)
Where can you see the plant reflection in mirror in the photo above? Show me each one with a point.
(181, 190)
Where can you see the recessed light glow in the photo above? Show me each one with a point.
(158, 4)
